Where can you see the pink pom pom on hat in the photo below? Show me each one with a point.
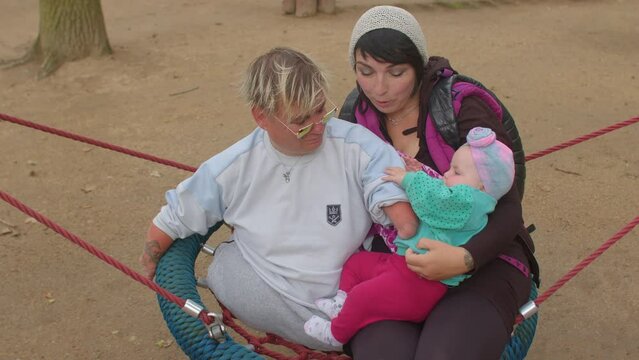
(493, 160)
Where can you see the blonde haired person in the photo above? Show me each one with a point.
(300, 191)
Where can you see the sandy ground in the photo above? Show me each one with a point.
(564, 69)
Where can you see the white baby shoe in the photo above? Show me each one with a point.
(332, 306)
(320, 329)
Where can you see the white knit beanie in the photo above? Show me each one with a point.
(388, 17)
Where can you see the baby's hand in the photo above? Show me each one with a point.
(394, 174)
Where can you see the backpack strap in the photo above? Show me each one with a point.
(347, 111)
(438, 148)
(351, 113)
(444, 106)
(441, 111)
(510, 126)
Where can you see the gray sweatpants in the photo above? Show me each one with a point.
(254, 302)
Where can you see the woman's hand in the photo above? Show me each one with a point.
(442, 261)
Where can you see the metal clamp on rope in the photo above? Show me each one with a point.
(528, 309)
(216, 329)
(208, 250)
(192, 308)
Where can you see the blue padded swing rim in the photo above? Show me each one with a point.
(175, 273)
(522, 338)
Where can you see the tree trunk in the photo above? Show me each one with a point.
(68, 30)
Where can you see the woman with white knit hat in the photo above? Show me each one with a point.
(397, 82)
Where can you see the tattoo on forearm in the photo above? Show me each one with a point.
(152, 249)
(468, 261)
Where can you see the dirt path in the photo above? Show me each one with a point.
(563, 68)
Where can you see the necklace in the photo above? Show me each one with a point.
(396, 121)
(287, 172)
(287, 175)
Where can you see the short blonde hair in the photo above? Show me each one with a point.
(287, 78)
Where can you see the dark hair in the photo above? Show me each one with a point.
(392, 46)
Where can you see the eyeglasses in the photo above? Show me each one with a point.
(303, 131)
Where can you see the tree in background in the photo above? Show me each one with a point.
(68, 30)
(303, 8)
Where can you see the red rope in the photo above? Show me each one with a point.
(99, 143)
(587, 261)
(583, 138)
(583, 264)
(98, 253)
(178, 165)
(257, 342)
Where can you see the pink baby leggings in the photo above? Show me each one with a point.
(381, 287)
